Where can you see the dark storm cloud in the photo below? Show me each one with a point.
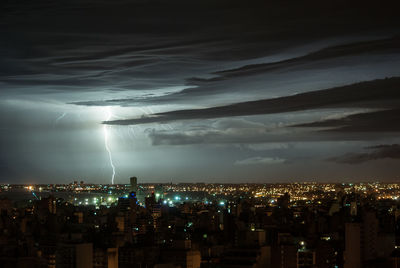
(377, 94)
(377, 152)
(130, 45)
(377, 121)
(249, 137)
(375, 46)
(257, 135)
(204, 86)
(187, 54)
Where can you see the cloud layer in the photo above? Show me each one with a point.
(378, 152)
(197, 89)
(374, 94)
(260, 161)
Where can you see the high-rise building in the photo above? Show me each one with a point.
(74, 255)
(133, 183)
(84, 255)
(352, 254)
(112, 257)
(369, 235)
(361, 240)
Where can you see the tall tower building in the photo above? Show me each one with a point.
(352, 254)
(133, 182)
(369, 233)
(361, 241)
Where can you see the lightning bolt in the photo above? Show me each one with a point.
(59, 118)
(105, 130)
(131, 132)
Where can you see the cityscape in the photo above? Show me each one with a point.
(199, 134)
(305, 224)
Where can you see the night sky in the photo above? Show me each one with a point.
(199, 91)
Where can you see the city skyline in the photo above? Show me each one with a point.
(199, 91)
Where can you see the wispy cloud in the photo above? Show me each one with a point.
(221, 83)
(260, 161)
(376, 152)
(375, 121)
